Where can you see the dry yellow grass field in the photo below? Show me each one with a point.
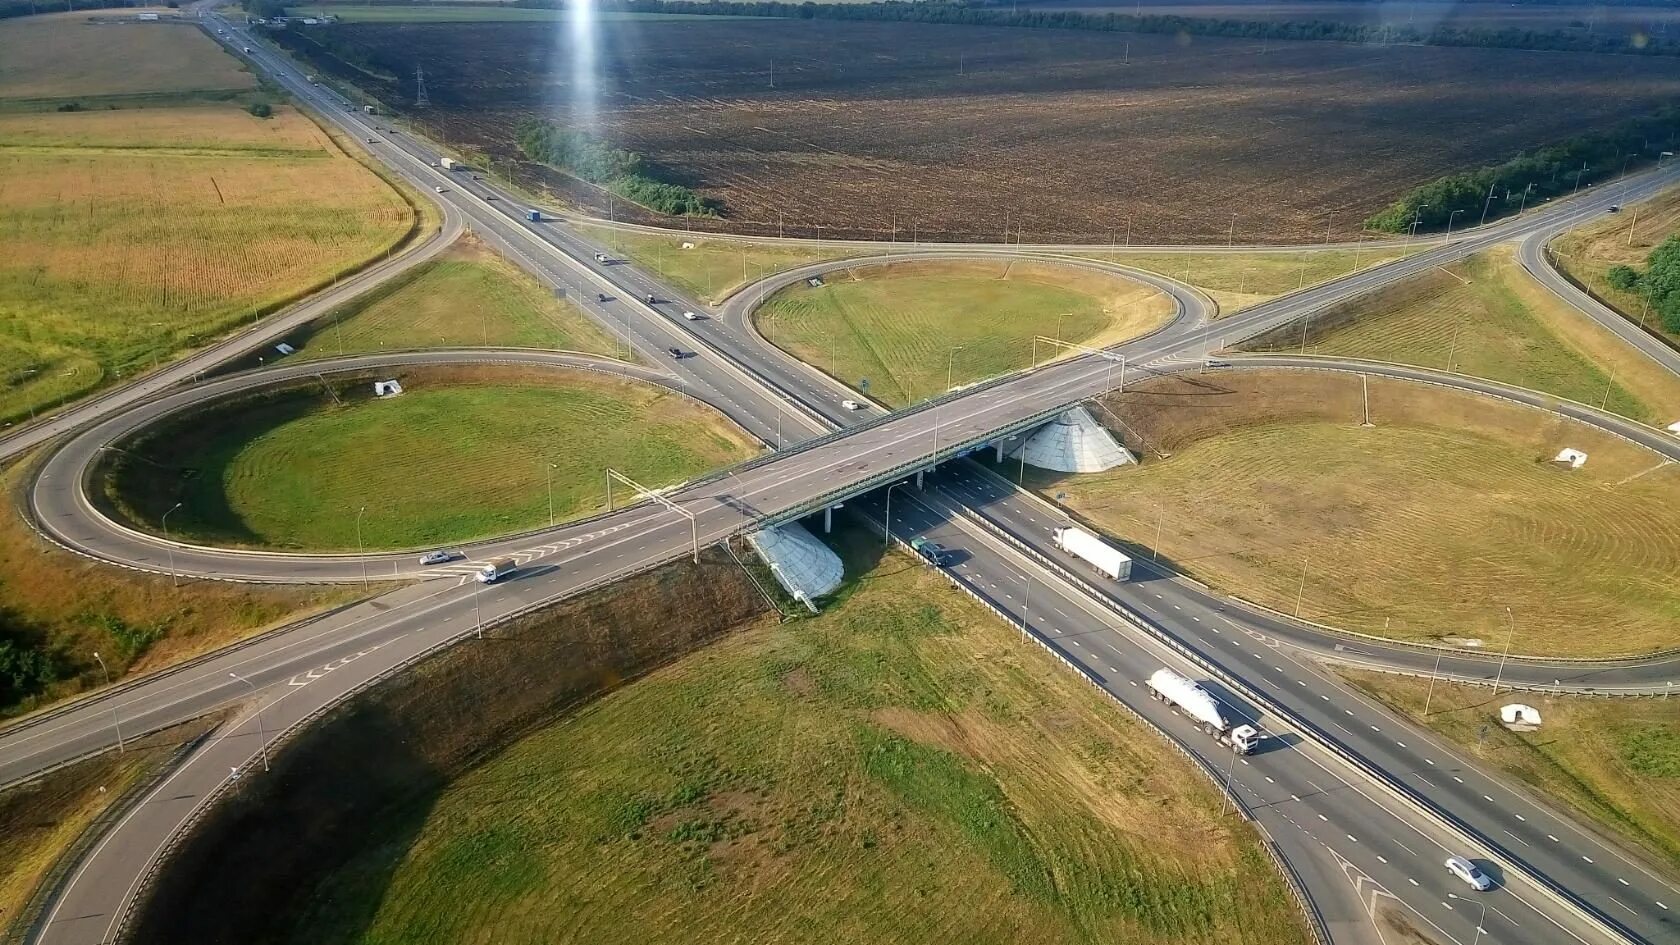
(1624, 239)
(63, 56)
(117, 256)
(1425, 526)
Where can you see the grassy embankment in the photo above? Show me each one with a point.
(67, 607)
(130, 235)
(466, 453)
(1485, 317)
(1587, 253)
(42, 820)
(713, 268)
(900, 769)
(1236, 281)
(1423, 527)
(897, 325)
(466, 298)
(1615, 761)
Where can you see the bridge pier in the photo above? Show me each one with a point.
(919, 473)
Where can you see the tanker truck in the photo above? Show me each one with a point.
(1195, 702)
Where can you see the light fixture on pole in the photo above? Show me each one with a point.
(174, 575)
(116, 723)
(262, 733)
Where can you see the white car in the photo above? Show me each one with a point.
(439, 557)
(601, 257)
(851, 405)
(691, 316)
(438, 189)
(1469, 872)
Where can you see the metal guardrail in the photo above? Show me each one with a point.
(1443, 819)
(1292, 880)
(278, 740)
(31, 918)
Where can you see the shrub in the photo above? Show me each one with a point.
(1622, 278)
(260, 109)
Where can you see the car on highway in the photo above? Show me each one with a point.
(651, 299)
(601, 297)
(1470, 873)
(677, 353)
(1613, 208)
(440, 556)
(851, 405)
(439, 189)
(434, 164)
(600, 257)
(692, 316)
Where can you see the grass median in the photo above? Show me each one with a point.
(1239, 280)
(708, 268)
(912, 329)
(1626, 239)
(1425, 526)
(464, 453)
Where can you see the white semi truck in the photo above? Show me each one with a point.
(496, 570)
(449, 164)
(1094, 551)
(1194, 701)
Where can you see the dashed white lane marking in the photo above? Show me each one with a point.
(1458, 779)
(1411, 880)
(1664, 907)
(1400, 743)
(1621, 880)
(1587, 858)
(1551, 838)
(1429, 760)
(1520, 817)
(1381, 858)
(1323, 818)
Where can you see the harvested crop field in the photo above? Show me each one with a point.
(1423, 527)
(1585, 19)
(972, 132)
(111, 59)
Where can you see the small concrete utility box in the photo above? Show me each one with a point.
(1572, 458)
(386, 388)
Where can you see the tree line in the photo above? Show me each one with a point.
(1659, 283)
(983, 14)
(1526, 179)
(625, 173)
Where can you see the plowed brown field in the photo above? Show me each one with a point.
(969, 132)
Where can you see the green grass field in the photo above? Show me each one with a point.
(1424, 527)
(1615, 761)
(463, 454)
(52, 58)
(901, 769)
(469, 297)
(711, 269)
(1627, 238)
(897, 326)
(1239, 280)
(1485, 317)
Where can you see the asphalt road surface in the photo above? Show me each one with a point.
(1327, 789)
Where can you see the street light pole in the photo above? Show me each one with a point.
(886, 531)
(359, 551)
(1512, 632)
(550, 472)
(1450, 217)
(174, 575)
(262, 733)
(1433, 675)
(116, 722)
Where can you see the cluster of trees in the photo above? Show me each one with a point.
(1659, 283)
(26, 668)
(996, 13)
(1527, 178)
(622, 172)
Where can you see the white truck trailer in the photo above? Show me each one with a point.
(1195, 702)
(449, 164)
(1094, 551)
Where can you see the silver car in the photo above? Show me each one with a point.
(1469, 872)
(439, 557)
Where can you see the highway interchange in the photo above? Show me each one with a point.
(1362, 807)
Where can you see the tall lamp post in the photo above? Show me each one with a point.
(262, 733)
(1509, 633)
(174, 575)
(1450, 217)
(550, 471)
(886, 530)
(115, 721)
(950, 362)
(359, 551)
